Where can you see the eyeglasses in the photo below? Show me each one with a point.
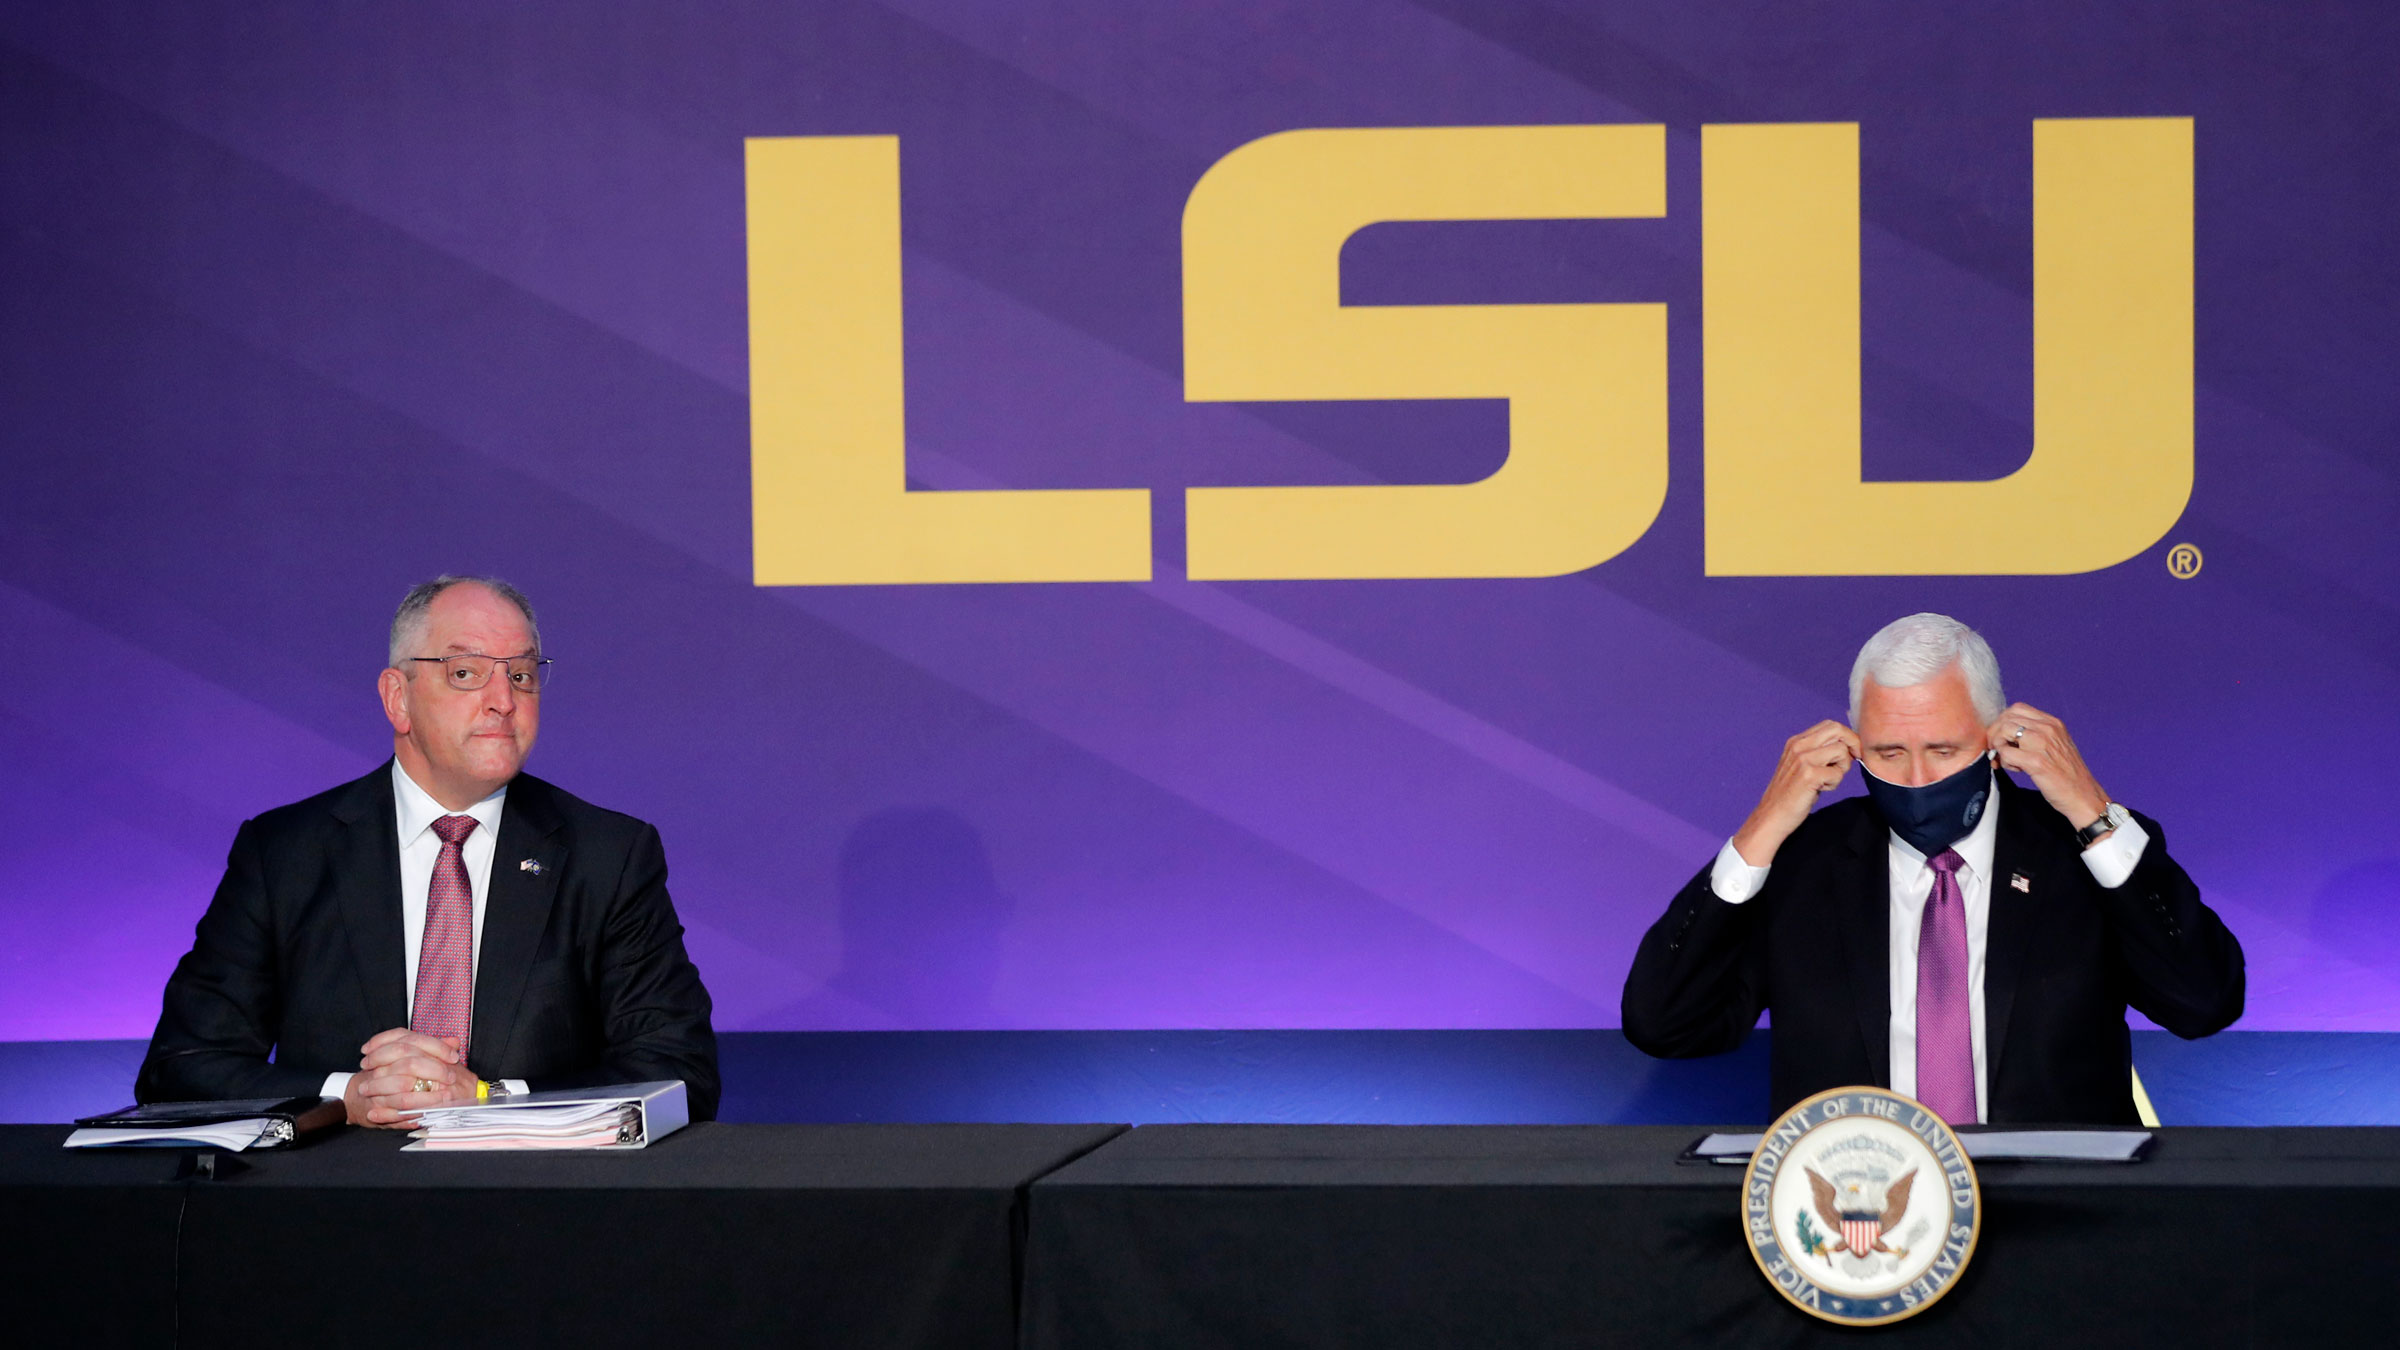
(473, 670)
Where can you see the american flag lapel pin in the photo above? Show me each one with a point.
(529, 865)
(2016, 881)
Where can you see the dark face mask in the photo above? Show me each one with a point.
(1933, 817)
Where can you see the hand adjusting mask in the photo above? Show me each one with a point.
(1933, 817)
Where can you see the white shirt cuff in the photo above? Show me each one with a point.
(1735, 880)
(2112, 859)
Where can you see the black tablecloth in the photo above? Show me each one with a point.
(1250, 1236)
(836, 1235)
(1170, 1235)
(87, 1242)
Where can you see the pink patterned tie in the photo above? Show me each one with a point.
(445, 1001)
(1945, 1042)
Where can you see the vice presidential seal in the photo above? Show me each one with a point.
(1860, 1206)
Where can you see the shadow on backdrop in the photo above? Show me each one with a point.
(922, 918)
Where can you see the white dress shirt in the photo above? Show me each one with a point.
(420, 849)
(2110, 861)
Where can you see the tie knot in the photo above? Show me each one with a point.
(452, 829)
(1947, 862)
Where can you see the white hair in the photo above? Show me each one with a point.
(1913, 650)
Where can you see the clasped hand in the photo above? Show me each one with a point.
(392, 1064)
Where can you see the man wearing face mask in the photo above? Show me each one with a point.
(1949, 935)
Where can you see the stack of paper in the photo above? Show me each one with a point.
(581, 1125)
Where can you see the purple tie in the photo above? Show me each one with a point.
(445, 1001)
(1945, 1043)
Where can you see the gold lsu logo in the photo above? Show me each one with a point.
(2109, 472)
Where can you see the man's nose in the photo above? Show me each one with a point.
(500, 692)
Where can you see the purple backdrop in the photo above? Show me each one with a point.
(301, 302)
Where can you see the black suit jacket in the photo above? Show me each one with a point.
(582, 978)
(2063, 959)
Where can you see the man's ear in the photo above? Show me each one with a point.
(393, 687)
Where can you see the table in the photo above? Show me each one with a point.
(848, 1235)
(1250, 1236)
(1158, 1237)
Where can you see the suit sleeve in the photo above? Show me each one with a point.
(1699, 978)
(222, 1012)
(654, 1010)
(2184, 967)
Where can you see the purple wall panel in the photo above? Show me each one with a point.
(300, 303)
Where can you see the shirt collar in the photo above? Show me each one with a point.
(418, 810)
(1975, 850)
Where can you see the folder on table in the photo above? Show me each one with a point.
(622, 1116)
(264, 1122)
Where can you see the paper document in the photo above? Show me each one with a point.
(1726, 1148)
(231, 1135)
(521, 1117)
(1985, 1146)
(2055, 1145)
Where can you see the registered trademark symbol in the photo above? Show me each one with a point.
(2183, 561)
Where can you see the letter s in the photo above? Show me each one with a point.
(1586, 384)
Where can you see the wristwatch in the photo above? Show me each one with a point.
(2110, 819)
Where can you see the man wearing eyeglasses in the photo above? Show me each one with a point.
(447, 927)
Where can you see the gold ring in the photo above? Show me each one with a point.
(424, 1085)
